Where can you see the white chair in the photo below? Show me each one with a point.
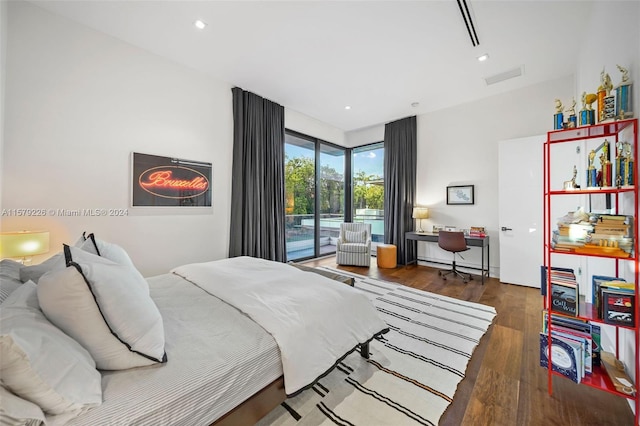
(354, 244)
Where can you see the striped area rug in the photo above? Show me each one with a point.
(414, 369)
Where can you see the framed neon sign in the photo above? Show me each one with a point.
(170, 182)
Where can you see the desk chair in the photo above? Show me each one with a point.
(455, 243)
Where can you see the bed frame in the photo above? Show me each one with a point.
(263, 401)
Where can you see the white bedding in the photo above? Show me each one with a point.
(217, 358)
(315, 321)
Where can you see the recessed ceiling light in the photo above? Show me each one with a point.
(200, 24)
(484, 57)
(347, 107)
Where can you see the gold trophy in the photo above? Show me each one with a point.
(605, 165)
(572, 122)
(587, 114)
(624, 109)
(558, 117)
(591, 171)
(620, 160)
(606, 102)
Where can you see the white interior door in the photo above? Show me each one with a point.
(520, 210)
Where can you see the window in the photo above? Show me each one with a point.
(368, 188)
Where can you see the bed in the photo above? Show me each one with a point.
(222, 366)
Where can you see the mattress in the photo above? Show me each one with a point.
(217, 358)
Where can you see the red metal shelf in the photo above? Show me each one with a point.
(599, 379)
(589, 132)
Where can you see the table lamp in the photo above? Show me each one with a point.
(420, 213)
(23, 244)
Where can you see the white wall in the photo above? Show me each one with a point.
(304, 124)
(3, 57)
(78, 102)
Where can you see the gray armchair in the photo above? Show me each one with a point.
(354, 244)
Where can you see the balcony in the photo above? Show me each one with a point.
(300, 232)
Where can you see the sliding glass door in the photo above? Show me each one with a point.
(368, 188)
(332, 196)
(318, 199)
(300, 189)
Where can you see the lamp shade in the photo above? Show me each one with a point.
(24, 243)
(420, 213)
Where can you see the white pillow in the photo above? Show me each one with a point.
(17, 411)
(355, 236)
(40, 363)
(112, 252)
(102, 305)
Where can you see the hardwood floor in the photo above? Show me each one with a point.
(504, 383)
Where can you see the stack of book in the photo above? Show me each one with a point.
(564, 292)
(575, 346)
(614, 299)
(612, 231)
(568, 236)
(477, 231)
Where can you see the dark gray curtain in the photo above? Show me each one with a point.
(257, 186)
(400, 147)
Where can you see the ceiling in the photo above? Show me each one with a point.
(378, 57)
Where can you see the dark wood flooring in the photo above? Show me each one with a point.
(504, 383)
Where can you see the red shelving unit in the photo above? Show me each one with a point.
(611, 131)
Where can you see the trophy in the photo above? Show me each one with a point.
(606, 102)
(623, 96)
(571, 184)
(587, 114)
(558, 117)
(605, 165)
(620, 164)
(628, 166)
(572, 122)
(591, 171)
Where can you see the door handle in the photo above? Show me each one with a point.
(504, 228)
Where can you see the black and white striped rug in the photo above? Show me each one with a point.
(413, 371)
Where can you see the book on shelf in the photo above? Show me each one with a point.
(577, 329)
(618, 306)
(556, 272)
(564, 297)
(596, 283)
(566, 356)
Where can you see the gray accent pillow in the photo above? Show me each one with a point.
(337, 277)
(9, 277)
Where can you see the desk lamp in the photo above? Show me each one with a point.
(23, 244)
(420, 213)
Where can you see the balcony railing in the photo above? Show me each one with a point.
(300, 231)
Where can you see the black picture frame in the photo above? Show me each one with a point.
(461, 194)
(158, 181)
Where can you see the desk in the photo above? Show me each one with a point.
(482, 242)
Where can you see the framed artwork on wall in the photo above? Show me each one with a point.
(158, 181)
(460, 194)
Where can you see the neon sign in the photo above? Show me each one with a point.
(173, 182)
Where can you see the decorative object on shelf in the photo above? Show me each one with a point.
(460, 194)
(558, 117)
(620, 160)
(616, 372)
(587, 114)
(605, 166)
(606, 101)
(437, 228)
(628, 166)
(624, 108)
(571, 184)
(23, 245)
(572, 122)
(591, 170)
(420, 213)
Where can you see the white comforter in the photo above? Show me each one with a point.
(314, 320)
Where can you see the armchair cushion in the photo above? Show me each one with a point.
(355, 237)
